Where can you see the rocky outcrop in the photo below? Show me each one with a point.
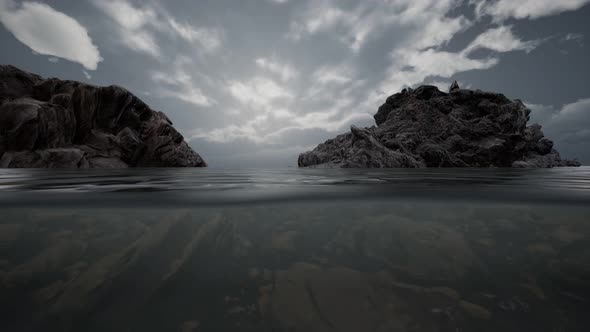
(425, 127)
(67, 124)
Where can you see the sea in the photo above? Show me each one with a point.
(167, 249)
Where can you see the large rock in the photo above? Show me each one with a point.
(68, 124)
(426, 127)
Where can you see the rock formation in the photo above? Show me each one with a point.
(66, 124)
(425, 127)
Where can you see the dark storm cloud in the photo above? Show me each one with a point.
(253, 83)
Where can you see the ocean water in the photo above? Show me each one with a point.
(295, 250)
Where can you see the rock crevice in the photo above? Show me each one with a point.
(425, 127)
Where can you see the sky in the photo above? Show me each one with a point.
(253, 83)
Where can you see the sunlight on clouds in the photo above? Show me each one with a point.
(272, 122)
(258, 92)
(334, 96)
(49, 32)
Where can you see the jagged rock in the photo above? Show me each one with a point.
(425, 127)
(46, 158)
(67, 124)
(359, 149)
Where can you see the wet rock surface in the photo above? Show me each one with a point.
(425, 127)
(52, 123)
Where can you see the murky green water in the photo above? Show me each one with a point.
(296, 250)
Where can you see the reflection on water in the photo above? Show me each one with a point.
(339, 264)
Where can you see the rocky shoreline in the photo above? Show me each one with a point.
(53, 123)
(425, 127)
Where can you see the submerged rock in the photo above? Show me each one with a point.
(475, 311)
(426, 127)
(308, 298)
(67, 124)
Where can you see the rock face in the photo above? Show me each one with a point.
(425, 127)
(67, 124)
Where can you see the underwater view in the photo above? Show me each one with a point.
(295, 250)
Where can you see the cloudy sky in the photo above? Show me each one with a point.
(253, 83)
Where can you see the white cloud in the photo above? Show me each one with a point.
(277, 112)
(275, 103)
(369, 19)
(258, 92)
(412, 66)
(49, 32)
(566, 126)
(210, 39)
(532, 9)
(333, 74)
(331, 82)
(571, 120)
(137, 26)
(334, 97)
(53, 59)
(127, 15)
(501, 39)
(132, 22)
(575, 37)
(333, 118)
(438, 31)
(88, 76)
(284, 71)
(319, 18)
(176, 83)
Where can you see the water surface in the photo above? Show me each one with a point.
(295, 250)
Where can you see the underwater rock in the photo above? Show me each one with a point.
(284, 241)
(425, 127)
(475, 311)
(190, 326)
(425, 250)
(307, 297)
(52, 123)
